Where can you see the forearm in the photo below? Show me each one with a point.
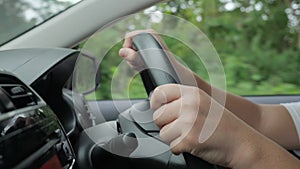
(241, 107)
(261, 153)
(273, 121)
(244, 109)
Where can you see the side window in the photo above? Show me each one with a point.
(258, 43)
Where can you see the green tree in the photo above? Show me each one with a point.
(258, 42)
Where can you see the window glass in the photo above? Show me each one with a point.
(18, 16)
(258, 43)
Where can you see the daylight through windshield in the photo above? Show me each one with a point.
(18, 16)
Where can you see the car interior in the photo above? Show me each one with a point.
(48, 122)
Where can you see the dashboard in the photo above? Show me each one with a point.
(32, 134)
(38, 122)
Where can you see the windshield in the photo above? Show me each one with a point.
(18, 16)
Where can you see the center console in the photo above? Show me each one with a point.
(30, 134)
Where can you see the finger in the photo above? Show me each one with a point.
(164, 94)
(132, 58)
(128, 54)
(167, 113)
(170, 132)
(177, 146)
(128, 40)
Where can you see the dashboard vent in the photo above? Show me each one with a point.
(19, 95)
(14, 95)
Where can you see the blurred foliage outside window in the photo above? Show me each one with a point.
(257, 41)
(18, 16)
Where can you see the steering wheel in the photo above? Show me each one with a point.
(139, 120)
(133, 140)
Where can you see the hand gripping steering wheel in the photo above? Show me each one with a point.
(132, 141)
(139, 121)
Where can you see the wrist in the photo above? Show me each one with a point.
(249, 151)
(258, 152)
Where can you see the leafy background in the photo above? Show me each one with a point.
(258, 41)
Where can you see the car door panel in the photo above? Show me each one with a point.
(107, 110)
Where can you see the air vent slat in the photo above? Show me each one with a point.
(6, 103)
(19, 96)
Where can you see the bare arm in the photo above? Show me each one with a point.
(242, 146)
(264, 153)
(273, 121)
(233, 143)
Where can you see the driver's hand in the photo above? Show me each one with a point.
(127, 52)
(191, 121)
(130, 55)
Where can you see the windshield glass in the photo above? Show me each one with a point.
(18, 16)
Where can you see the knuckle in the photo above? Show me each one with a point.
(157, 122)
(162, 134)
(190, 140)
(195, 90)
(157, 89)
(128, 35)
(187, 122)
(187, 105)
(176, 149)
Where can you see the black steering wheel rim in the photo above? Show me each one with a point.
(158, 71)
